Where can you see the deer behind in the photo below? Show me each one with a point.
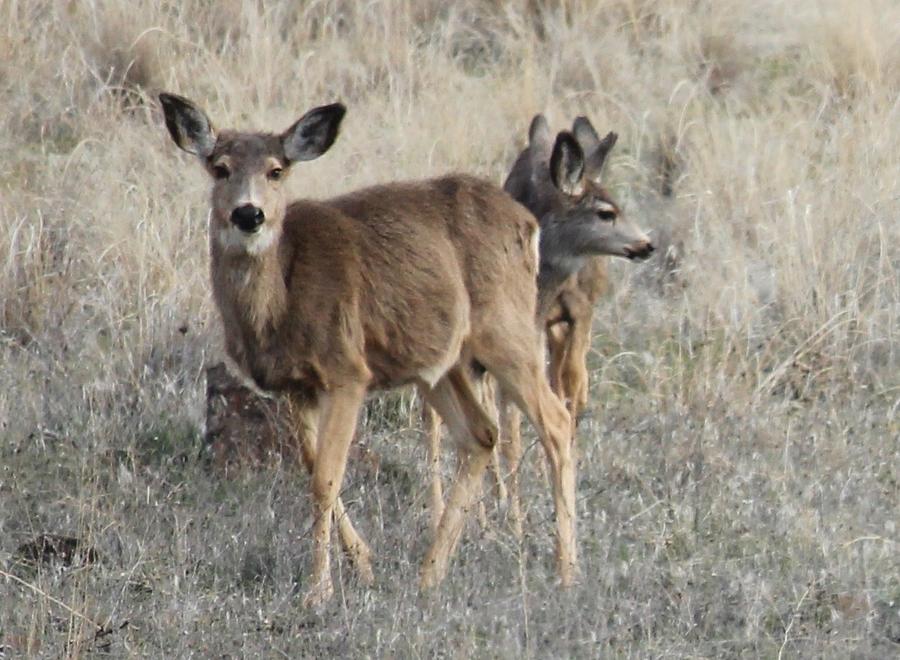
(391, 285)
(581, 225)
(560, 183)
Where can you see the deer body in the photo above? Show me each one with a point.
(390, 285)
(395, 289)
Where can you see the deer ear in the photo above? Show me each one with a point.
(539, 132)
(595, 149)
(567, 164)
(188, 125)
(586, 134)
(314, 133)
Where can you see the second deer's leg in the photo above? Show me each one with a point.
(304, 415)
(558, 345)
(340, 408)
(475, 434)
(574, 367)
(432, 423)
(488, 396)
(511, 449)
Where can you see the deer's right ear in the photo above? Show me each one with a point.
(188, 125)
(314, 133)
(567, 164)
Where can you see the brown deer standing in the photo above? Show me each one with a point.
(405, 283)
(560, 183)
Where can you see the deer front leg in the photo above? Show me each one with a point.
(304, 414)
(340, 409)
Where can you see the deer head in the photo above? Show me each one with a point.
(586, 221)
(248, 169)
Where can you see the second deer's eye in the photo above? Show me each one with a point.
(606, 214)
(221, 172)
(275, 173)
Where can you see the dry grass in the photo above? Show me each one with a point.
(740, 473)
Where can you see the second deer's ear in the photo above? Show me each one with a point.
(188, 125)
(314, 133)
(567, 164)
(595, 149)
(539, 132)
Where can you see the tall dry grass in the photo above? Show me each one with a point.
(739, 473)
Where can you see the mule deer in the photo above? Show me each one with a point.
(560, 189)
(560, 183)
(404, 283)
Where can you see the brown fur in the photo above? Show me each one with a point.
(396, 290)
(395, 284)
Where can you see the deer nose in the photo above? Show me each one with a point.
(248, 217)
(642, 251)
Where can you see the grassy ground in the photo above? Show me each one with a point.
(740, 468)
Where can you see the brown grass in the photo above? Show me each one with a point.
(739, 472)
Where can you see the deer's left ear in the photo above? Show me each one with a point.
(567, 165)
(188, 125)
(314, 133)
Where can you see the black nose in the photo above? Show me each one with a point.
(248, 218)
(642, 251)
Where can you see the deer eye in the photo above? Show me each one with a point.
(275, 173)
(221, 172)
(606, 214)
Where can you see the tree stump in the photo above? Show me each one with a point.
(243, 428)
(248, 430)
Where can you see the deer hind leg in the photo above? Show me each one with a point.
(475, 433)
(305, 417)
(432, 423)
(520, 372)
(339, 413)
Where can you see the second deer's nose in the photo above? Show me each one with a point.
(642, 251)
(248, 217)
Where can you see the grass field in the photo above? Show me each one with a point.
(740, 466)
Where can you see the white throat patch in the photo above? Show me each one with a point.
(232, 239)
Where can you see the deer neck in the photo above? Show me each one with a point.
(251, 294)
